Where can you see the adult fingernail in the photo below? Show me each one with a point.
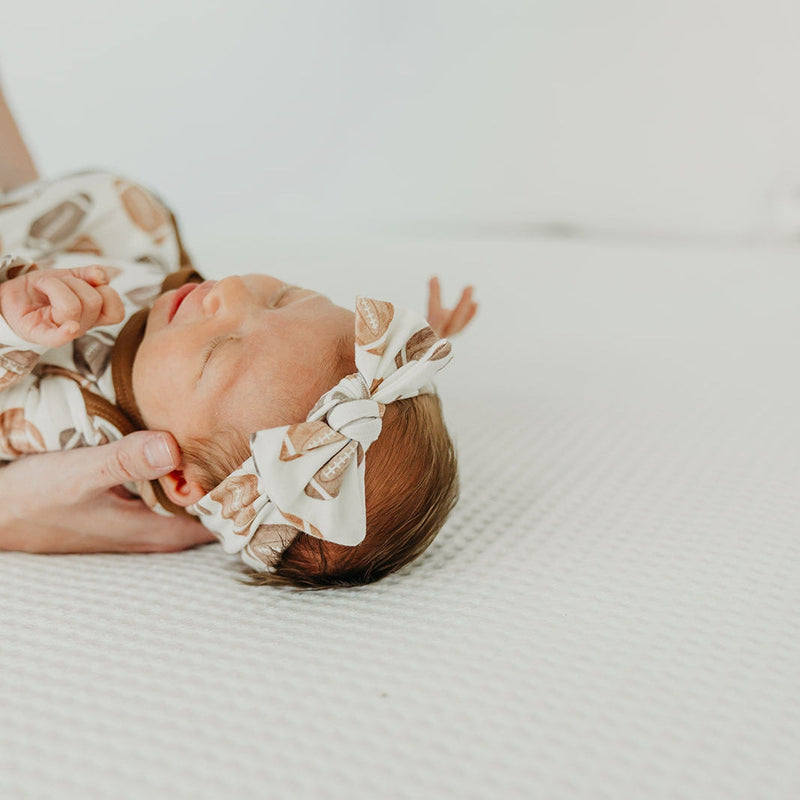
(157, 453)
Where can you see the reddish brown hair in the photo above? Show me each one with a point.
(411, 483)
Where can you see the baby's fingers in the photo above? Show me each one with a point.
(458, 324)
(101, 305)
(462, 313)
(74, 300)
(94, 275)
(434, 298)
(64, 301)
(438, 317)
(112, 310)
(42, 330)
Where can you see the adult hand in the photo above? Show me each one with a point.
(73, 502)
(447, 322)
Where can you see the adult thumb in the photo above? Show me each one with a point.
(140, 456)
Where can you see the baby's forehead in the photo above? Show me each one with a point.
(287, 362)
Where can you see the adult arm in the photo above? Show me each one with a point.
(16, 163)
(72, 502)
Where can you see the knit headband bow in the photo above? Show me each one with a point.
(309, 477)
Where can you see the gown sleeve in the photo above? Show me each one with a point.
(17, 356)
(97, 214)
(93, 217)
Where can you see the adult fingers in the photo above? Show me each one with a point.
(80, 512)
(140, 456)
(106, 523)
(89, 471)
(138, 530)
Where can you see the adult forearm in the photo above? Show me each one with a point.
(16, 163)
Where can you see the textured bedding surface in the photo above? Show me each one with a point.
(611, 612)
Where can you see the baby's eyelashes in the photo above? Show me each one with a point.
(210, 348)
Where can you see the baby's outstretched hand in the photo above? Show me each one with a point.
(447, 321)
(52, 307)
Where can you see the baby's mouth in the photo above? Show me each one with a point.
(180, 295)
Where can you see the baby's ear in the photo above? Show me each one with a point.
(183, 485)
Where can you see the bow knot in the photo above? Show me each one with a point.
(357, 419)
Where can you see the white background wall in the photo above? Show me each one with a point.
(423, 115)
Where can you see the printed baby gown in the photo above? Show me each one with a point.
(80, 394)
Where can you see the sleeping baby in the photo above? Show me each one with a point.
(312, 442)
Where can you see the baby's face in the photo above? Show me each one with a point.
(226, 355)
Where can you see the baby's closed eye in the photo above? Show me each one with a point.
(211, 348)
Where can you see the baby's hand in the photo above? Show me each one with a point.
(445, 321)
(52, 307)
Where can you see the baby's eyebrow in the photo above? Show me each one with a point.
(287, 290)
(276, 297)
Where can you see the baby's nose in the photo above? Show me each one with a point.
(226, 295)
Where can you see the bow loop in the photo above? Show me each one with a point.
(307, 436)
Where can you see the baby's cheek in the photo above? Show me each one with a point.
(153, 380)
